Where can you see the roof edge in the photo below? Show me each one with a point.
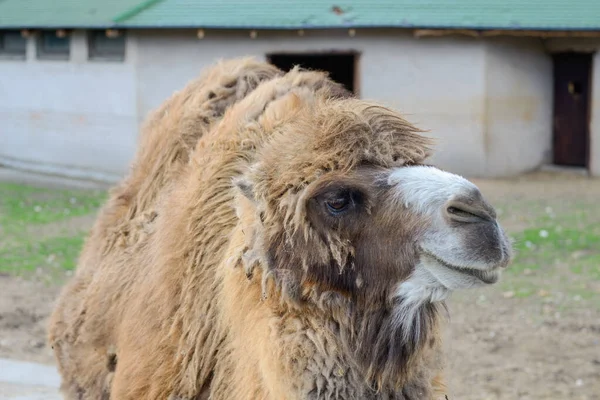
(419, 30)
(363, 26)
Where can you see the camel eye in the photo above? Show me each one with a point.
(339, 201)
(338, 205)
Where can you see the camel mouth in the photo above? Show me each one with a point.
(487, 277)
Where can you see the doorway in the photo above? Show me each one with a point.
(340, 66)
(572, 86)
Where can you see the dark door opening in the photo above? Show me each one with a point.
(341, 66)
(572, 84)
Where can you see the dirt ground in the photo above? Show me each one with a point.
(499, 345)
(24, 309)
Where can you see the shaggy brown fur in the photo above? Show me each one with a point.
(189, 288)
(166, 140)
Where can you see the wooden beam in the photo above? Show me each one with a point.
(445, 32)
(501, 32)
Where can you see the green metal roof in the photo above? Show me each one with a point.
(471, 14)
(62, 13)
(304, 14)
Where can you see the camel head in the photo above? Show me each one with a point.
(340, 206)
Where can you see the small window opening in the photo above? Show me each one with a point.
(54, 45)
(106, 45)
(340, 66)
(12, 44)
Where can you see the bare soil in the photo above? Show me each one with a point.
(499, 346)
(24, 309)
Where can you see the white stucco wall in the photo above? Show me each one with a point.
(518, 106)
(487, 102)
(594, 167)
(74, 118)
(437, 83)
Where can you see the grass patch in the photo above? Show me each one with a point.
(38, 232)
(560, 254)
(22, 205)
(54, 253)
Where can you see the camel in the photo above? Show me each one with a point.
(276, 238)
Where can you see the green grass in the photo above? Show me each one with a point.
(559, 254)
(25, 205)
(55, 253)
(38, 228)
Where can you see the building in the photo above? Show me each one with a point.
(504, 87)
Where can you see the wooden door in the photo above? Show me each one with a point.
(572, 85)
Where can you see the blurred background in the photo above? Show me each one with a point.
(510, 90)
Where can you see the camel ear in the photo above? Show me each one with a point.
(245, 187)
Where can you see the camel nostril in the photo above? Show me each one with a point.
(453, 210)
(462, 212)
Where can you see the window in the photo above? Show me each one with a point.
(12, 44)
(54, 45)
(106, 45)
(340, 66)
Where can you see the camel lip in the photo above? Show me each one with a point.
(488, 277)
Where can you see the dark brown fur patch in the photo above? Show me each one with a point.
(388, 357)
